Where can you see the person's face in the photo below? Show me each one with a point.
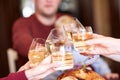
(47, 7)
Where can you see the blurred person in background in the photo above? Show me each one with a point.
(27, 72)
(39, 25)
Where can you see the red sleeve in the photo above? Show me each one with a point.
(22, 36)
(15, 76)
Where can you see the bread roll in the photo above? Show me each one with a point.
(80, 74)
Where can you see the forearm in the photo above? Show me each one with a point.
(113, 44)
(29, 74)
(117, 46)
(32, 73)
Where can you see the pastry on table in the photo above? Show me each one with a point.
(80, 74)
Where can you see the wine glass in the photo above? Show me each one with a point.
(79, 40)
(54, 36)
(60, 50)
(89, 32)
(37, 51)
(69, 28)
(62, 54)
(80, 35)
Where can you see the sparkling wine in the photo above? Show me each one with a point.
(36, 56)
(79, 41)
(65, 59)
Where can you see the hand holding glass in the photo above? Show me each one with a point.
(80, 36)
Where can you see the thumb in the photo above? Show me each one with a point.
(92, 41)
(47, 60)
(52, 65)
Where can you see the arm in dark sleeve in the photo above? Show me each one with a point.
(21, 35)
(15, 76)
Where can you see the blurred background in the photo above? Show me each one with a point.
(102, 15)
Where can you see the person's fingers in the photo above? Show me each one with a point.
(25, 67)
(98, 39)
(33, 65)
(97, 35)
(52, 65)
(41, 76)
(113, 76)
(95, 41)
(99, 50)
(41, 68)
(47, 60)
(91, 42)
(45, 69)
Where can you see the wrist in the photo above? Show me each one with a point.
(29, 74)
(117, 41)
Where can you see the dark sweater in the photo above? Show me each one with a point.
(15, 76)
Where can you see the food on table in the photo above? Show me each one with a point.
(80, 74)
